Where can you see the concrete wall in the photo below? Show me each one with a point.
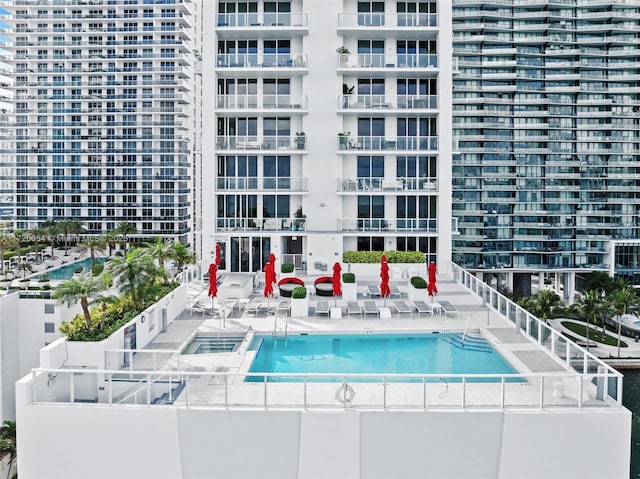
(159, 442)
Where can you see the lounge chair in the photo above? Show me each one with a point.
(353, 307)
(373, 291)
(370, 307)
(283, 309)
(395, 292)
(449, 308)
(423, 307)
(322, 307)
(402, 307)
(253, 306)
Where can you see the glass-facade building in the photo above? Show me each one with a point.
(546, 112)
(103, 108)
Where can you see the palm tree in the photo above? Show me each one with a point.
(123, 229)
(7, 240)
(624, 300)
(52, 228)
(83, 289)
(541, 304)
(182, 255)
(590, 305)
(25, 268)
(132, 272)
(67, 228)
(8, 442)
(160, 250)
(93, 244)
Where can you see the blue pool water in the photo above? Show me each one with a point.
(371, 354)
(66, 271)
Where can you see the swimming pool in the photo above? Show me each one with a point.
(206, 344)
(406, 353)
(66, 271)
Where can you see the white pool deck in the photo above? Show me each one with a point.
(543, 386)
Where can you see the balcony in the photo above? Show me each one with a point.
(261, 224)
(387, 20)
(379, 225)
(266, 60)
(242, 183)
(381, 143)
(261, 102)
(256, 20)
(388, 61)
(405, 184)
(387, 102)
(266, 143)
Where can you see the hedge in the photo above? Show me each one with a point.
(418, 282)
(348, 278)
(287, 268)
(299, 292)
(374, 256)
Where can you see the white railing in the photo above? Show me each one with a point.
(260, 102)
(252, 142)
(387, 184)
(317, 390)
(420, 225)
(378, 102)
(262, 60)
(411, 143)
(557, 345)
(260, 19)
(384, 60)
(261, 183)
(261, 224)
(374, 19)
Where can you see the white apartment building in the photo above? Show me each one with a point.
(308, 152)
(103, 118)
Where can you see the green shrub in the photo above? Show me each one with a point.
(418, 282)
(96, 269)
(33, 288)
(348, 278)
(299, 292)
(374, 256)
(44, 277)
(287, 268)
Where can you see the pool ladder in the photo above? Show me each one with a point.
(275, 326)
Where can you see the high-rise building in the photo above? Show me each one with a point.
(103, 95)
(328, 129)
(546, 114)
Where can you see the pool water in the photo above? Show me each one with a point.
(212, 344)
(66, 271)
(373, 354)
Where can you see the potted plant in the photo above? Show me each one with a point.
(343, 55)
(299, 302)
(301, 140)
(44, 279)
(417, 290)
(347, 91)
(287, 270)
(343, 139)
(300, 221)
(349, 287)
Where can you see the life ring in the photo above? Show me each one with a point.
(345, 394)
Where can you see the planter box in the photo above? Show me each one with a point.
(350, 291)
(418, 294)
(300, 307)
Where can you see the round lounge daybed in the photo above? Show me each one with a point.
(287, 285)
(324, 286)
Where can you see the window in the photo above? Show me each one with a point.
(49, 308)
(49, 327)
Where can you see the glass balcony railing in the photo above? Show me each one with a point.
(260, 102)
(261, 183)
(419, 225)
(265, 60)
(383, 60)
(378, 102)
(385, 143)
(262, 19)
(389, 20)
(261, 224)
(261, 143)
(346, 185)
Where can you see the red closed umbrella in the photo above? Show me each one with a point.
(385, 291)
(218, 254)
(335, 280)
(432, 289)
(213, 280)
(269, 279)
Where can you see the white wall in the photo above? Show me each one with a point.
(140, 441)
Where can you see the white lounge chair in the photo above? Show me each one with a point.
(353, 307)
(322, 307)
(423, 307)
